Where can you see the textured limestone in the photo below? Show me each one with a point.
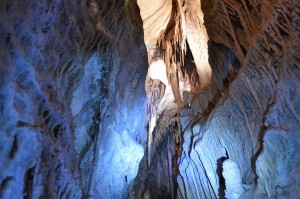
(220, 116)
(250, 113)
(54, 96)
(40, 55)
(255, 119)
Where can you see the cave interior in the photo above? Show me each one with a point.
(115, 99)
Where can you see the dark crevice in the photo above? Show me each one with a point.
(230, 66)
(229, 37)
(6, 186)
(57, 130)
(222, 185)
(236, 21)
(177, 154)
(90, 146)
(45, 114)
(258, 152)
(206, 7)
(189, 68)
(5, 183)
(21, 124)
(244, 50)
(261, 136)
(14, 148)
(249, 5)
(28, 183)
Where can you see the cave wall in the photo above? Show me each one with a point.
(178, 72)
(220, 119)
(253, 118)
(239, 138)
(64, 70)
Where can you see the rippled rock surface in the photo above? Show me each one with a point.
(71, 73)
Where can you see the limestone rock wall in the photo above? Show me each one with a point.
(41, 51)
(45, 54)
(221, 119)
(254, 116)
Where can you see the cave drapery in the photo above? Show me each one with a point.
(150, 99)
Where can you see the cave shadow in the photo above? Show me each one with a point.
(231, 66)
(261, 136)
(222, 185)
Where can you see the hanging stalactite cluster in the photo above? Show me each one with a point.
(181, 54)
